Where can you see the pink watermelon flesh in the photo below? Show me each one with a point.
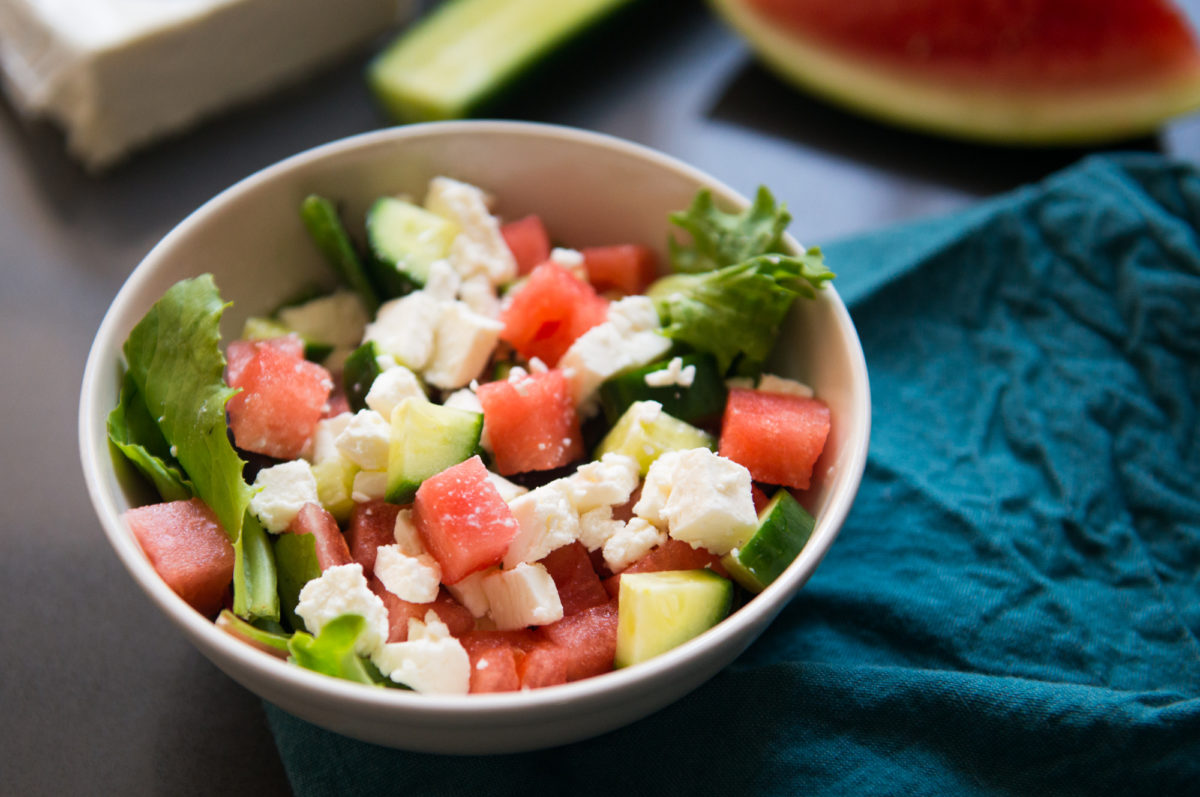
(456, 616)
(532, 424)
(1037, 45)
(282, 398)
(587, 638)
(188, 550)
(331, 545)
(372, 523)
(777, 437)
(578, 585)
(462, 520)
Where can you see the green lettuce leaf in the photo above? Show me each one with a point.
(735, 313)
(332, 651)
(174, 359)
(255, 583)
(135, 434)
(720, 239)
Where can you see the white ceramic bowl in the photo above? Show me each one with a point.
(589, 189)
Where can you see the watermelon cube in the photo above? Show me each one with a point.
(240, 352)
(625, 268)
(282, 398)
(331, 546)
(528, 241)
(587, 638)
(578, 585)
(532, 423)
(777, 437)
(544, 664)
(549, 312)
(372, 523)
(462, 520)
(188, 549)
(400, 611)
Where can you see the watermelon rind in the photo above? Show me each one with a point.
(995, 115)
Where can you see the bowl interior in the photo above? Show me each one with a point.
(589, 189)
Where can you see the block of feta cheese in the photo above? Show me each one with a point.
(281, 492)
(117, 74)
(429, 661)
(343, 589)
(700, 498)
(524, 595)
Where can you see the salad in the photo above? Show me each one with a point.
(482, 462)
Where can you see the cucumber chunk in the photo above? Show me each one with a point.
(662, 610)
(702, 400)
(783, 529)
(358, 374)
(426, 439)
(466, 52)
(405, 240)
(325, 227)
(645, 432)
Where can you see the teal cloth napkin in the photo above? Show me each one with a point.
(1014, 602)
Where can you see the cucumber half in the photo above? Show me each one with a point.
(466, 52)
(405, 240)
(660, 611)
(783, 529)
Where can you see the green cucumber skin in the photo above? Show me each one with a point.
(773, 547)
(703, 400)
(324, 225)
(393, 280)
(386, 80)
(455, 444)
(358, 374)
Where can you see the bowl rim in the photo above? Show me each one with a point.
(95, 457)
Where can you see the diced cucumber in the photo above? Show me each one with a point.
(296, 565)
(645, 432)
(358, 374)
(704, 398)
(405, 240)
(335, 486)
(660, 611)
(783, 529)
(325, 227)
(426, 439)
(466, 52)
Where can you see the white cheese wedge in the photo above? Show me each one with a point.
(117, 74)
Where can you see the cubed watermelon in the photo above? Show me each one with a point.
(494, 670)
(777, 437)
(282, 398)
(449, 611)
(589, 639)
(462, 520)
(331, 546)
(239, 353)
(551, 310)
(578, 585)
(528, 241)
(531, 423)
(671, 555)
(188, 549)
(372, 523)
(625, 268)
(545, 664)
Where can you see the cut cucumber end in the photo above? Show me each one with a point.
(426, 439)
(784, 528)
(660, 611)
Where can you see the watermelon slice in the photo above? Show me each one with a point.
(188, 549)
(777, 437)
(531, 423)
(1026, 72)
(372, 524)
(332, 550)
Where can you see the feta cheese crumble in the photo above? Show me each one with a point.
(430, 660)
(342, 589)
(700, 498)
(525, 595)
(676, 373)
(412, 578)
(366, 439)
(281, 491)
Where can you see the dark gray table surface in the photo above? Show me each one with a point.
(99, 695)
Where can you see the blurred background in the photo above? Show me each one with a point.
(101, 695)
